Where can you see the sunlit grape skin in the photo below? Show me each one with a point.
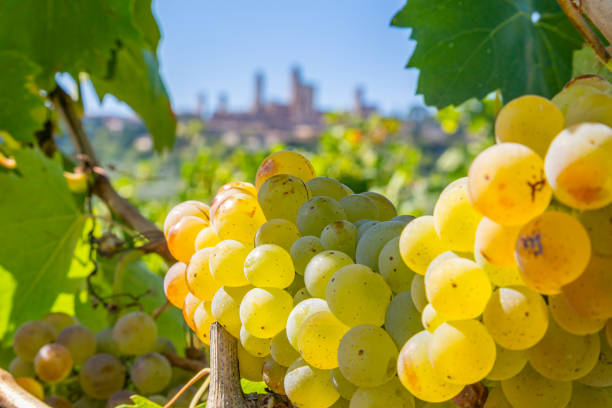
(318, 212)
(419, 244)
(284, 162)
(269, 265)
(309, 387)
(175, 284)
(281, 196)
(318, 339)
(181, 237)
(200, 280)
(264, 311)
(186, 208)
(530, 389)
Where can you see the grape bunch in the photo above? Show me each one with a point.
(65, 364)
(337, 301)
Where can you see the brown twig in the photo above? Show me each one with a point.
(600, 14)
(574, 13)
(13, 396)
(185, 363)
(161, 309)
(195, 379)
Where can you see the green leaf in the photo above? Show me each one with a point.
(22, 109)
(469, 48)
(146, 23)
(40, 227)
(140, 402)
(586, 62)
(250, 387)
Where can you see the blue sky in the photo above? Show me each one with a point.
(214, 46)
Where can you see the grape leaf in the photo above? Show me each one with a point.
(145, 21)
(469, 48)
(586, 62)
(40, 226)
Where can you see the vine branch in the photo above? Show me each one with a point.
(600, 14)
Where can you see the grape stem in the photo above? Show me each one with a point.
(194, 379)
(185, 363)
(198, 396)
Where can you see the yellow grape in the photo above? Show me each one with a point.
(175, 284)
(328, 187)
(135, 333)
(227, 263)
(564, 356)
(594, 108)
(225, 308)
(417, 292)
(530, 120)
(320, 270)
(202, 319)
(386, 209)
(373, 241)
(182, 236)
(340, 236)
(417, 374)
(206, 238)
(303, 250)
(500, 276)
(310, 387)
(508, 363)
(496, 399)
(598, 224)
(273, 375)
(454, 217)
(583, 396)
(345, 388)
(282, 351)
(238, 217)
(578, 166)
(21, 368)
(356, 295)
(506, 183)
(186, 208)
(601, 374)
(281, 196)
(516, 317)
(229, 189)
(316, 213)
(264, 312)
(53, 363)
(255, 346)
(284, 162)
(318, 339)
(251, 367)
(419, 244)
(530, 390)
(299, 314)
(431, 319)
(269, 266)
(458, 288)
(31, 386)
(570, 320)
(200, 280)
(367, 356)
(390, 394)
(278, 231)
(495, 243)
(189, 308)
(589, 295)
(359, 207)
(402, 319)
(391, 266)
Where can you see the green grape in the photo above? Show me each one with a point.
(496, 399)
(500, 276)
(30, 337)
(608, 331)
(462, 351)
(278, 231)
(164, 345)
(356, 295)
(363, 227)
(454, 217)
(318, 340)
(151, 373)
(417, 374)
(419, 244)
(135, 333)
(273, 375)
(55, 401)
(529, 389)
(264, 312)
(390, 265)
(431, 319)
(589, 295)
(391, 394)
(563, 356)
(301, 294)
(80, 341)
(21, 368)
(328, 187)
(310, 387)
(202, 319)
(530, 120)
(506, 183)
(584, 396)
(386, 209)
(59, 321)
(120, 398)
(284, 162)
(318, 212)
(359, 223)
(200, 280)
(373, 241)
(238, 217)
(508, 363)
(296, 285)
(359, 207)
(458, 288)
(225, 308)
(578, 87)
(251, 367)
(417, 292)
(281, 196)
(402, 319)
(321, 268)
(303, 250)
(594, 108)
(404, 218)
(105, 342)
(185, 399)
(86, 402)
(340, 236)
(571, 321)
(552, 250)
(282, 351)
(255, 346)
(226, 263)
(516, 317)
(495, 243)
(599, 227)
(578, 166)
(101, 376)
(299, 314)
(53, 363)
(367, 356)
(161, 400)
(269, 266)
(601, 374)
(345, 388)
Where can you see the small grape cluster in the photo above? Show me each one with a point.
(337, 301)
(58, 356)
